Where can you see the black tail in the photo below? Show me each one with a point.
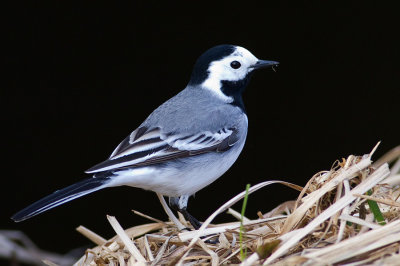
(60, 197)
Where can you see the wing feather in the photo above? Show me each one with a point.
(151, 146)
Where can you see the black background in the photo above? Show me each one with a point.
(81, 76)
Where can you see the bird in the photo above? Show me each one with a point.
(183, 145)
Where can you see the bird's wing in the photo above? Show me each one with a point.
(147, 146)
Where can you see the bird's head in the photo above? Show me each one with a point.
(225, 70)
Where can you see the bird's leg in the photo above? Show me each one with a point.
(193, 221)
(180, 204)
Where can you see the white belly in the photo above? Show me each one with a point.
(184, 177)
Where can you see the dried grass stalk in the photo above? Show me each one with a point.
(329, 223)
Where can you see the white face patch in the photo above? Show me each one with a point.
(222, 70)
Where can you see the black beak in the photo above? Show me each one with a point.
(264, 63)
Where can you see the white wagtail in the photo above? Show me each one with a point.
(185, 144)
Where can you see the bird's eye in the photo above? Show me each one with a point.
(235, 64)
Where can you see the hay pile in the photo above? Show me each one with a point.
(348, 215)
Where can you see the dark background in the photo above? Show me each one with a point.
(80, 77)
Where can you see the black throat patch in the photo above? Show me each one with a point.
(235, 89)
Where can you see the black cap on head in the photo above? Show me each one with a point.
(215, 53)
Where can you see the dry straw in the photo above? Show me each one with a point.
(349, 215)
(332, 221)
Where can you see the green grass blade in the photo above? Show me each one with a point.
(243, 252)
(375, 210)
